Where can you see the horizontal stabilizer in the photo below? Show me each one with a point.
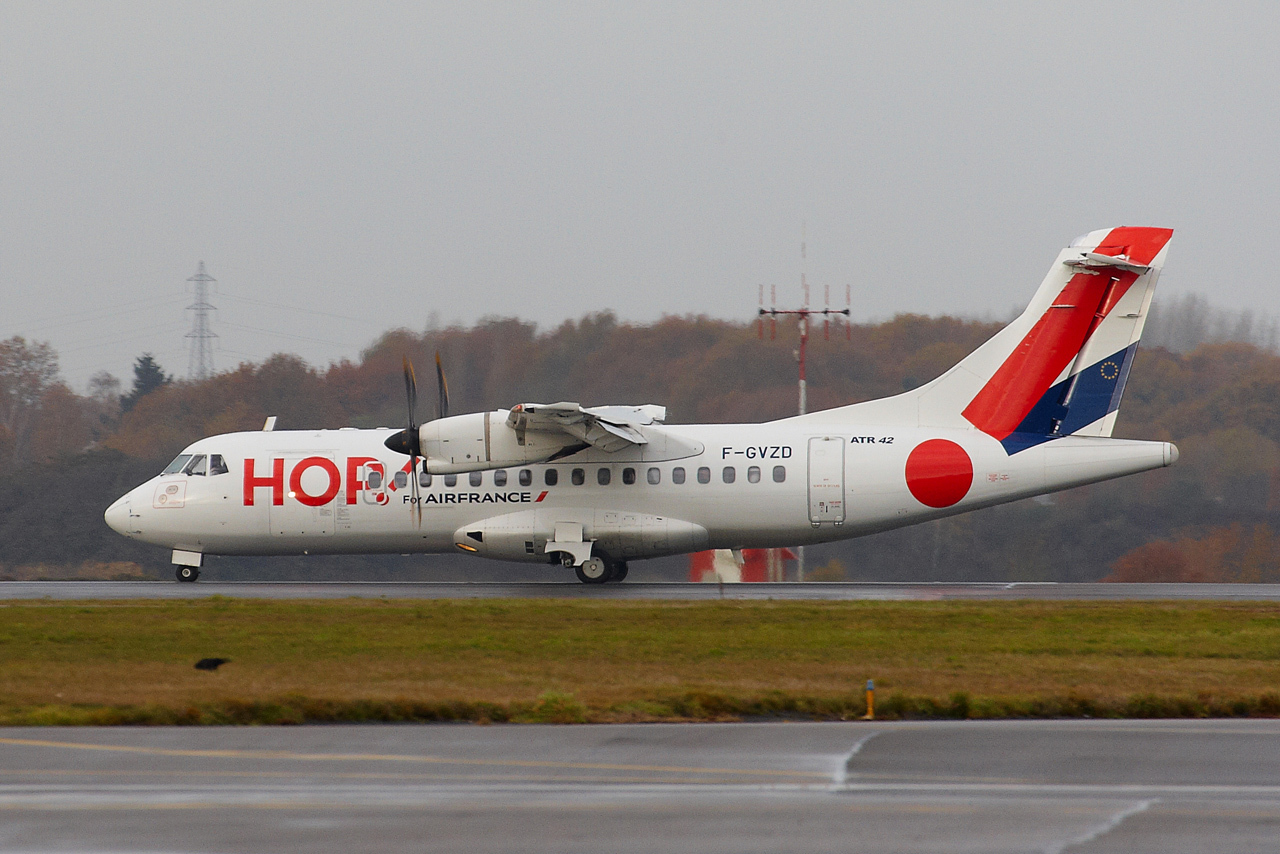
(1093, 259)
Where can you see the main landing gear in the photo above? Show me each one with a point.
(597, 570)
(188, 573)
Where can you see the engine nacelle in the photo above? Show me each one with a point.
(530, 535)
(484, 440)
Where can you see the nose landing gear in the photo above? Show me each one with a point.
(187, 563)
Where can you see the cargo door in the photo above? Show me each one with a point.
(310, 496)
(826, 480)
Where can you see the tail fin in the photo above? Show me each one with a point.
(1060, 368)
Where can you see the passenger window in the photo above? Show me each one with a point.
(198, 465)
(551, 478)
(779, 474)
(628, 476)
(578, 476)
(375, 480)
(451, 480)
(677, 474)
(753, 474)
(603, 476)
(655, 476)
(177, 464)
(704, 475)
(475, 478)
(730, 474)
(500, 477)
(526, 477)
(400, 479)
(424, 479)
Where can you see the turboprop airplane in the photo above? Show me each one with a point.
(1029, 412)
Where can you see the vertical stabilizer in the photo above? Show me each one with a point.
(1060, 368)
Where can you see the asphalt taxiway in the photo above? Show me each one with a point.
(997, 786)
(886, 591)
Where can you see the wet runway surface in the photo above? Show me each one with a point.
(640, 591)
(1001, 786)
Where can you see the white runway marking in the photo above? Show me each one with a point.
(841, 775)
(1101, 830)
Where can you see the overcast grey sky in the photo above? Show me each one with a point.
(342, 168)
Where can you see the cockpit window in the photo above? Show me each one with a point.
(198, 465)
(177, 464)
(217, 465)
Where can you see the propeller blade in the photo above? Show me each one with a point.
(411, 389)
(443, 399)
(417, 497)
(411, 442)
(408, 441)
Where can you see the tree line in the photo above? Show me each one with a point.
(1214, 516)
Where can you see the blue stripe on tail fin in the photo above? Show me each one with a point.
(1097, 393)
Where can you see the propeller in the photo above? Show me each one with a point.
(442, 401)
(409, 441)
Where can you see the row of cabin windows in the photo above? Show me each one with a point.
(202, 465)
(578, 477)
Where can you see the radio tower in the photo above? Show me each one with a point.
(200, 365)
(803, 314)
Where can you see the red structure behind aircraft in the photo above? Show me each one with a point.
(748, 565)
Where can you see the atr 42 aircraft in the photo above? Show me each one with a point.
(1029, 412)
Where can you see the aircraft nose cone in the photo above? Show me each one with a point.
(117, 515)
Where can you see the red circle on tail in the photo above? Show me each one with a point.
(939, 473)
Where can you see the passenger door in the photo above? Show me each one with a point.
(826, 480)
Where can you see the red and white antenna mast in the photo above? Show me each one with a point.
(802, 315)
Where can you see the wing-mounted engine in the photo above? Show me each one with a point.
(484, 440)
(538, 433)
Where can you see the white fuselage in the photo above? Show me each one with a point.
(1030, 411)
(789, 482)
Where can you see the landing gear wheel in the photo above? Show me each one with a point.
(188, 573)
(593, 571)
(619, 572)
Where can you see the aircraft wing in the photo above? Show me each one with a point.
(609, 428)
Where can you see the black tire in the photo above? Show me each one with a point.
(188, 573)
(583, 573)
(619, 572)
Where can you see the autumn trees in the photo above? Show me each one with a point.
(1215, 515)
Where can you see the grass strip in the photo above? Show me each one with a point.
(64, 663)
